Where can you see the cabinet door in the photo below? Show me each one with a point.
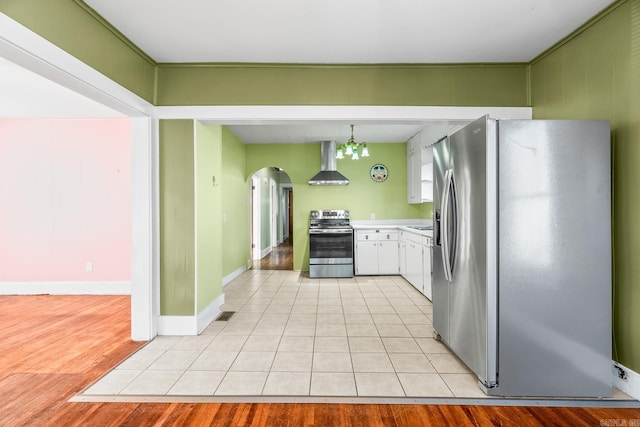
(366, 257)
(402, 258)
(388, 257)
(426, 175)
(428, 136)
(414, 265)
(414, 185)
(426, 270)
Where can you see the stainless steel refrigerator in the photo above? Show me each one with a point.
(522, 254)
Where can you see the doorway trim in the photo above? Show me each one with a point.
(285, 190)
(273, 192)
(255, 218)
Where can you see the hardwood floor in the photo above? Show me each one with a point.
(280, 258)
(54, 346)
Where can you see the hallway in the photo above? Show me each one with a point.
(280, 258)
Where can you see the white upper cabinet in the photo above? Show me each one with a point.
(414, 186)
(420, 163)
(426, 174)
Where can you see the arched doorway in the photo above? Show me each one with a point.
(271, 219)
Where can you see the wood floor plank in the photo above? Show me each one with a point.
(280, 257)
(55, 346)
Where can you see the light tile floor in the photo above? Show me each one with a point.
(296, 336)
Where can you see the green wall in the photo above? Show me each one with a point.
(388, 200)
(596, 75)
(77, 29)
(177, 218)
(235, 204)
(264, 84)
(208, 159)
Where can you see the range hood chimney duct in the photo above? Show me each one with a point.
(328, 174)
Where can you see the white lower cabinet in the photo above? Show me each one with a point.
(388, 257)
(388, 252)
(426, 266)
(366, 257)
(402, 253)
(414, 261)
(376, 252)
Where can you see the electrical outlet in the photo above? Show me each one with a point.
(89, 266)
(373, 215)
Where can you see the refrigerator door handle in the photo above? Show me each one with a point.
(452, 244)
(444, 224)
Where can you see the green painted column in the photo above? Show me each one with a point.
(177, 218)
(208, 230)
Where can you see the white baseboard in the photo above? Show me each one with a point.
(234, 274)
(266, 251)
(65, 288)
(630, 384)
(177, 325)
(190, 325)
(206, 316)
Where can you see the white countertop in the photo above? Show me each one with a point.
(399, 224)
(414, 231)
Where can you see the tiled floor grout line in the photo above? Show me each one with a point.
(353, 369)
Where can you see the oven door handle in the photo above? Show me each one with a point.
(330, 231)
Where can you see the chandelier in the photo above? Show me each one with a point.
(351, 147)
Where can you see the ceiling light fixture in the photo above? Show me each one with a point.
(351, 147)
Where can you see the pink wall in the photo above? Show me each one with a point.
(65, 200)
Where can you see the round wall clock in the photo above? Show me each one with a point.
(379, 173)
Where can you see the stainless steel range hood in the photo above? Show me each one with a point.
(328, 174)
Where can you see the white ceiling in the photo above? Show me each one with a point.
(346, 31)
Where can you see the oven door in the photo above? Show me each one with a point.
(331, 246)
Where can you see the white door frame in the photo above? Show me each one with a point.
(284, 209)
(274, 208)
(255, 226)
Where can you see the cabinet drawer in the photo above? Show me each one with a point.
(388, 235)
(366, 235)
(377, 235)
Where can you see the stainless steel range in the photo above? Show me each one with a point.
(330, 244)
